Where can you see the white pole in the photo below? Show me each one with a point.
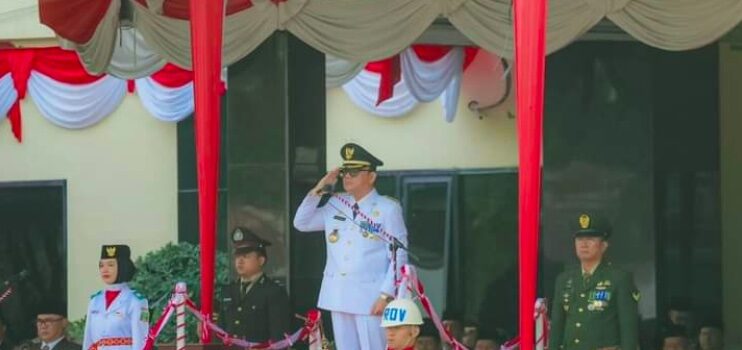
(540, 314)
(179, 299)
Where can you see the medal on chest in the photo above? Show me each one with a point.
(334, 236)
(370, 230)
(599, 297)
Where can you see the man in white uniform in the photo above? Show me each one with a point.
(359, 278)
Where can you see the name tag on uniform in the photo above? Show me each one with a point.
(338, 218)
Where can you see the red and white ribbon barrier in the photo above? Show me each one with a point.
(180, 302)
(542, 324)
(179, 299)
(311, 323)
(540, 312)
(8, 292)
(409, 278)
(409, 283)
(156, 329)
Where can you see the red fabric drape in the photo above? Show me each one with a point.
(206, 33)
(430, 53)
(56, 63)
(530, 36)
(64, 66)
(391, 74)
(74, 20)
(180, 9)
(172, 76)
(470, 53)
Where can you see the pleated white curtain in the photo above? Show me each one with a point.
(8, 95)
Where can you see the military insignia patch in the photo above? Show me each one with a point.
(636, 296)
(348, 152)
(238, 235)
(111, 251)
(584, 221)
(144, 317)
(376, 213)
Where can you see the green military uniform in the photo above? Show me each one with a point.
(593, 311)
(256, 310)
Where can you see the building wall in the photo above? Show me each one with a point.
(19, 19)
(121, 184)
(423, 139)
(730, 71)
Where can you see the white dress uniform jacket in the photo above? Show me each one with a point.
(358, 267)
(126, 321)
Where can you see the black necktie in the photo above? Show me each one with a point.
(355, 210)
(243, 287)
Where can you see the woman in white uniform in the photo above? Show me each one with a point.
(118, 316)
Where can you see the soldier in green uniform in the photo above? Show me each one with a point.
(254, 307)
(595, 304)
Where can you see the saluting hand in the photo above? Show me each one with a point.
(329, 179)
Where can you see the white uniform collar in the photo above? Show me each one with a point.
(117, 286)
(371, 194)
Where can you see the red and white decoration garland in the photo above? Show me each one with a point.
(69, 97)
(421, 73)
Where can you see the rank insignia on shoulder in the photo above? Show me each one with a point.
(138, 295)
(96, 294)
(376, 213)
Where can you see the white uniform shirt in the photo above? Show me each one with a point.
(358, 267)
(126, 317)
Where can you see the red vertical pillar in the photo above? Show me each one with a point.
(530, 58)
(207, 17)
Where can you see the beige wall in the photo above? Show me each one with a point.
(19, 19)
(121, 184)
(423, 139)
(730, 81)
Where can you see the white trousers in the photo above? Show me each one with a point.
(357, 332)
